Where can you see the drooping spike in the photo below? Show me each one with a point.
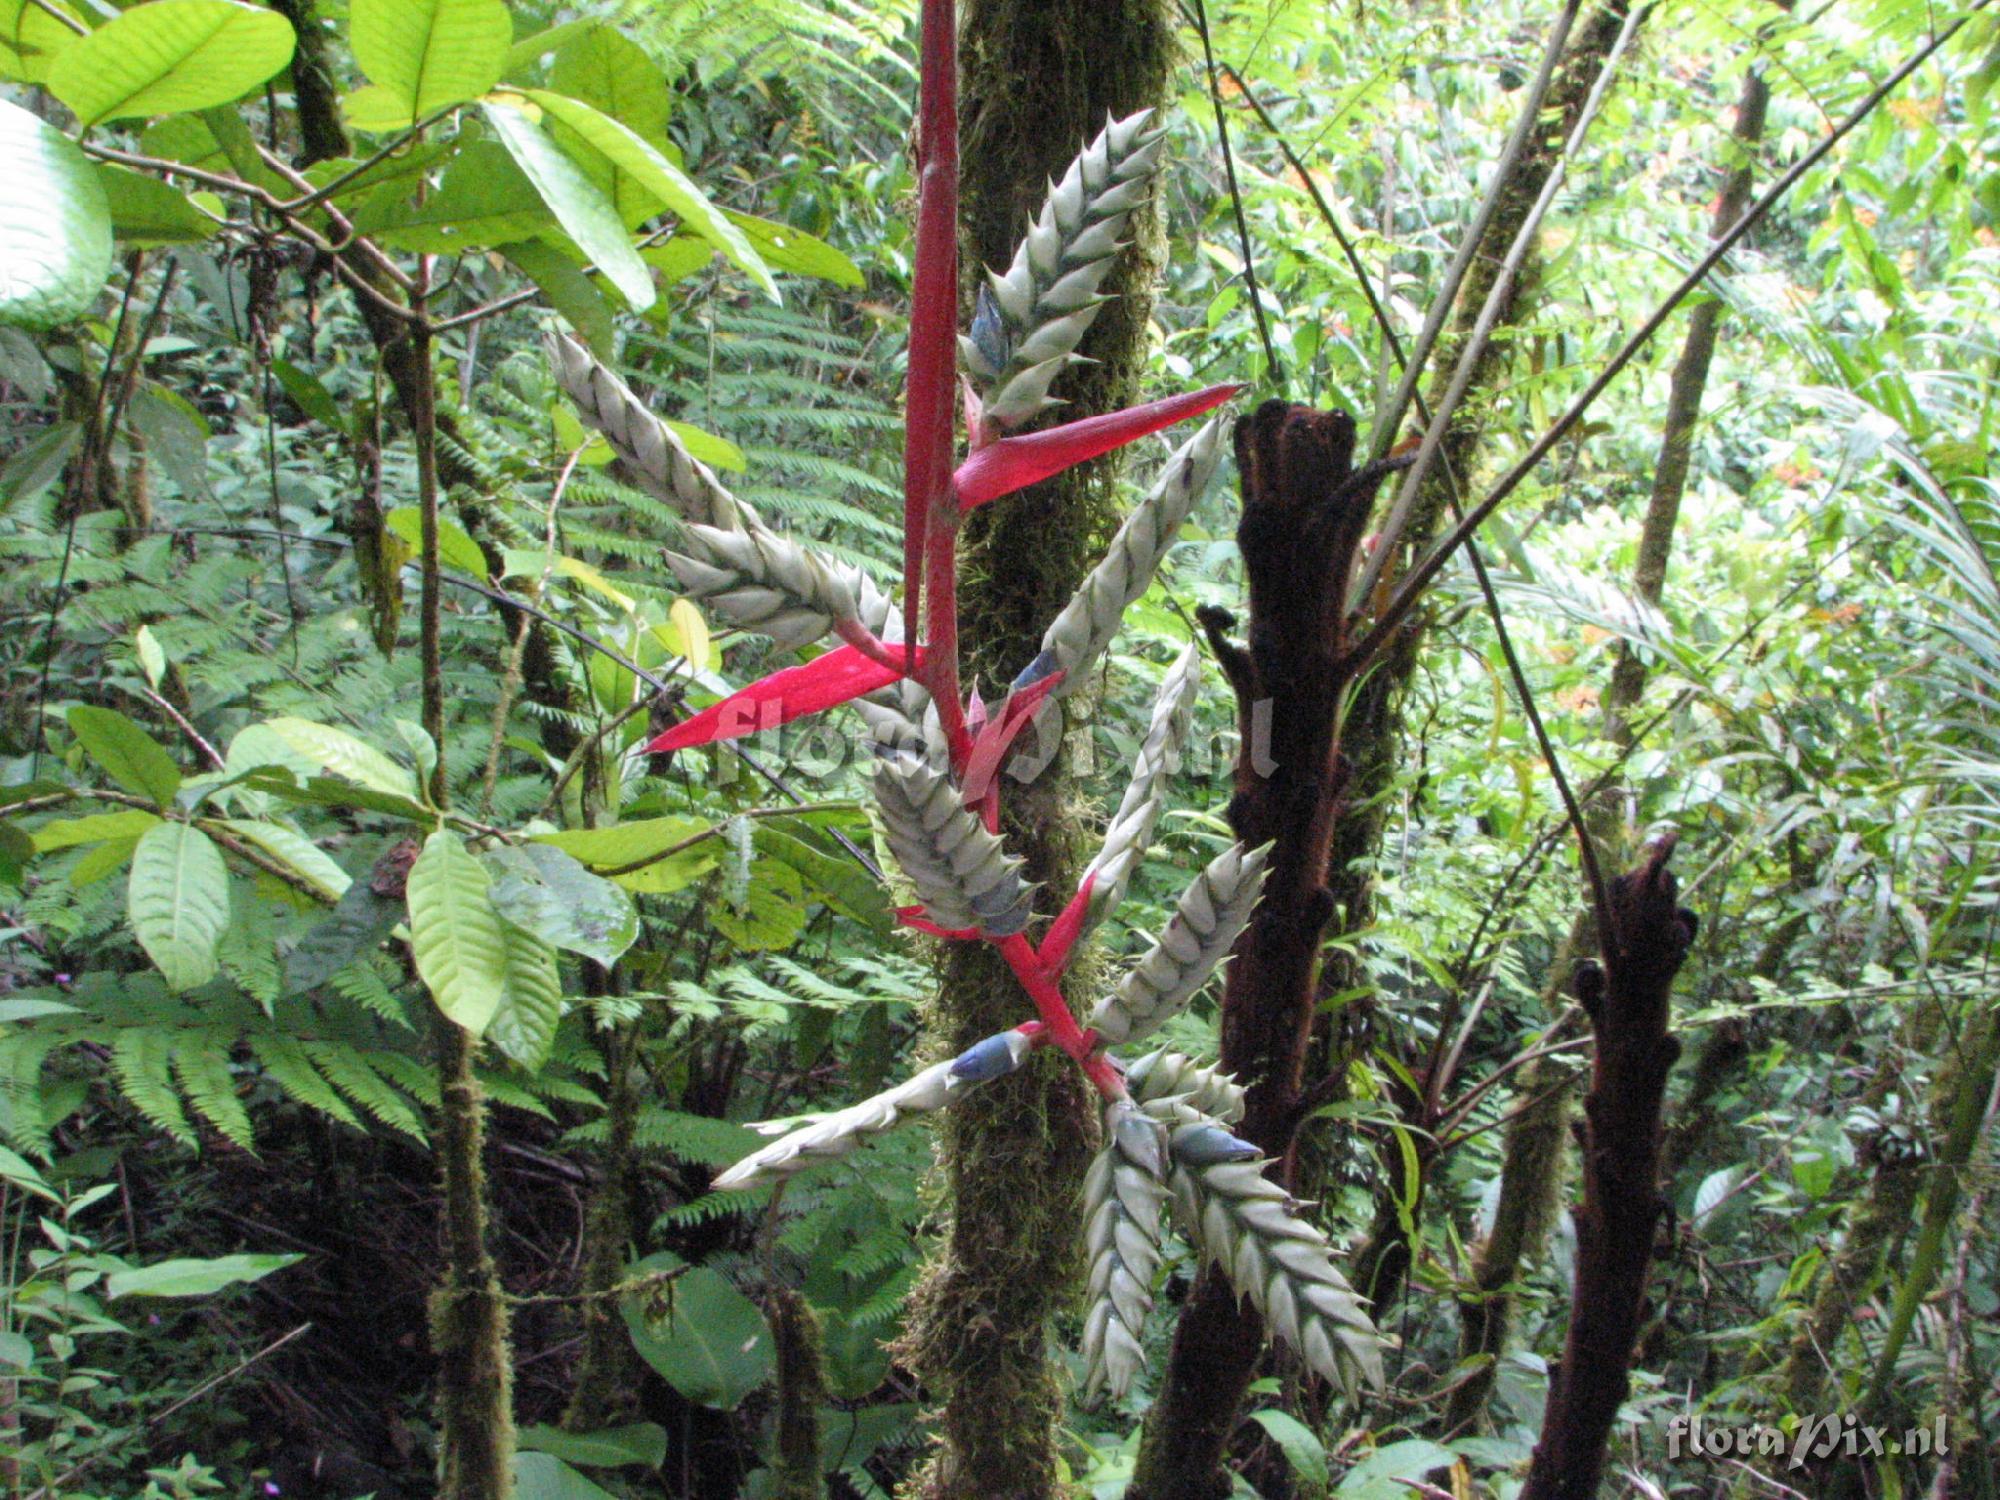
(1014, 463)
(839, 676)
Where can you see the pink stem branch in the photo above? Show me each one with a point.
(1056, 1017)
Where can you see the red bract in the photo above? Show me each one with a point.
(1015, 463)
(840, 676)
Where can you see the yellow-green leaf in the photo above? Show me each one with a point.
(31, 38)
(338, 751)
(628, 152)
(580, 206)
(55, 227)
(456, 548)
(430, 54)
(169, 57)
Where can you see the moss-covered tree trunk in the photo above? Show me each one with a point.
(1037, 81)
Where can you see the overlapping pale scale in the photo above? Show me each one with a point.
(1084, 629)
(1123, 1195)
(1246, 1225)
(1027, 323)
(1131, 828)
(1212, 911)
(963, 875)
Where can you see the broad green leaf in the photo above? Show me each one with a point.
(1299, 1443)
(353, 929)
(96, 828)
(39, 462)
(590, 578)
(126, 753)
(21, 1173)
(178, 901)
(613, 75)
(643, 1443)
(31, 38)
(524, 1025)
(431, 54)
(292, 848)
(716, 452)
(309, 395)
(107, 857)
(326, 791)
(686, 634)
(459, 940)
(542, 1476)
(530, 50)
(678, 258)
(176, 436)
(338, 751)
(55, 227)
(1380, 1475)
(484, 200)
(787, 249)
(567, 289)
(194, 1278)
(772, 914)
(376, 109)
(629, 844)
(456, 549)
(170, 57)
(714, 1347)
(829, 877)
(580, 206)
(628, 152)
(542, 890)
(146, 211)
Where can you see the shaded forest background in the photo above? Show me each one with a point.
(1749, 595)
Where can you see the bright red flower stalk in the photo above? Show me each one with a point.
(935, 498)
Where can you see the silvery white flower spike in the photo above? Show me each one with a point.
(1123, 1194)
(761, 581)
(962, 874)
(648, 448)
(1168, 1085)
(1131, 828)
(1244, 1223)
(840, 1132)
(1027, 323)
(1083, 631)
(1212, 911)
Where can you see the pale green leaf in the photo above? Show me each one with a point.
(524, 1025)
(459, 940)
(787, 249)
(171, 57)
(344, 755)
(295, 851)
(677, 194)
(482, 201)
(543, 1476)
(178, 900)
(714, 1347)
(55, 227)
(194, 1278)
(456, 548)
(146, 211)
(579, 205)
(431, 54)
(94, 828)
(542, 890)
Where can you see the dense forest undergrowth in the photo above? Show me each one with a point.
(464, 761)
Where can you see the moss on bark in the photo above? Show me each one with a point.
(1037, 82)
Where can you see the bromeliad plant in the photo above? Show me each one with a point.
(939, 753)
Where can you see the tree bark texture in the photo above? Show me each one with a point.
(1037, 82)
(1626, 997)
(1304, 507)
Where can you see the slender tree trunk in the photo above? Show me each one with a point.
(1303, 514)
(1038, 80)
(1531, 1171)
(1627, 1000)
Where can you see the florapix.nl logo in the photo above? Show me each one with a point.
(1828, 1435)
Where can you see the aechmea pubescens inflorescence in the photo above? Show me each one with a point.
(939, 756)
